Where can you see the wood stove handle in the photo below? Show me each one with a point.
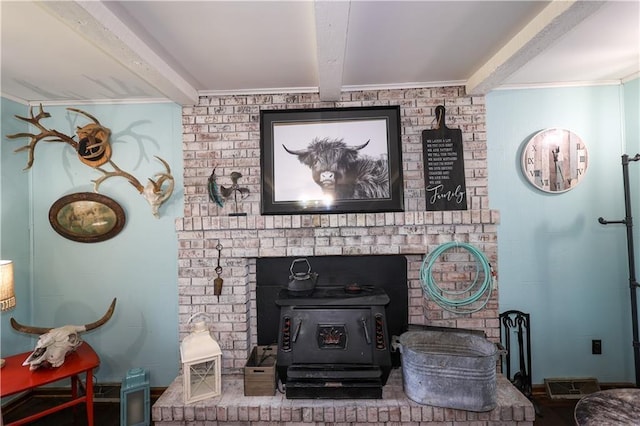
(295, 334)
(366, 331)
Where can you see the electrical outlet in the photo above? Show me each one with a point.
(596, 347)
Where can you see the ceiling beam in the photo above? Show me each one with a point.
(332, 22)
(99, 25)
(555, 20)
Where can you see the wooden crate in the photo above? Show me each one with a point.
(260, 372)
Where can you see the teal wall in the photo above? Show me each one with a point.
(555, 260)
(15, 243)
(73, 283)
(632, 142)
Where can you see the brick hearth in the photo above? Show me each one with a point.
(233, 408)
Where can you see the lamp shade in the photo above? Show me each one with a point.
(201, 358)
(7, 292)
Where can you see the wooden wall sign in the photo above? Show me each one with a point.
(443, 166)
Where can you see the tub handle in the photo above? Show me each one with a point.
(501, 349)
(395, 344)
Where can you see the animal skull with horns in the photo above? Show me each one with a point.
(55, 343)
(94, 149)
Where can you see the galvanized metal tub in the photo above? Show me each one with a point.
(449, 369)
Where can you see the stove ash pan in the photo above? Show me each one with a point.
(449, 369)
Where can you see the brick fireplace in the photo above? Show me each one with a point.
(223, 132)
(246, 238)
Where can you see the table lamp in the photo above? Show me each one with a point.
(7, 292)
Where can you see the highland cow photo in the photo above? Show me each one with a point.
(331, 160)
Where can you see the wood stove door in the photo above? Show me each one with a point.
(332, 336)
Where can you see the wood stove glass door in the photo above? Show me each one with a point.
(332, 336)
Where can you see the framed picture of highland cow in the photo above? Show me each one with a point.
(331, 160)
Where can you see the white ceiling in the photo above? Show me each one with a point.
(75, 52)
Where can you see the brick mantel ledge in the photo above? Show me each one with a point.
(340, 234)
(411, 218)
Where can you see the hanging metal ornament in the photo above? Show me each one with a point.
(214, 189)
(234, 190)
(217, 282)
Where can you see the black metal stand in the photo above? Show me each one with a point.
(518, 321)
(633, 284)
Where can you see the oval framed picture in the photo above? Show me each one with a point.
(87, 217)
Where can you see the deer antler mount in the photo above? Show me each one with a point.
(93, 148)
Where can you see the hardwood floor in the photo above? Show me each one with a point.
(106, 408)
(554, 412)
(107, 412)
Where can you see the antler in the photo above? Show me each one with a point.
(93, 147)
(86, 114)
(87, 327)
(45, 134)
(153, 192)
(162, 178)
(118, 172)
(94, 150)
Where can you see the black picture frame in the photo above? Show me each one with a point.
(365, 141)
(87, 217)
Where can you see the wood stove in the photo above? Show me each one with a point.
(333, 342)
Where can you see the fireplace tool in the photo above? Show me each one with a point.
(633, 284)
(217, 282)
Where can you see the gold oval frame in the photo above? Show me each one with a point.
(87, 217)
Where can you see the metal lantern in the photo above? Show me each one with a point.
(135, 398)
(201, 362)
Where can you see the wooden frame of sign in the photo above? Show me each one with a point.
(443, 157)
